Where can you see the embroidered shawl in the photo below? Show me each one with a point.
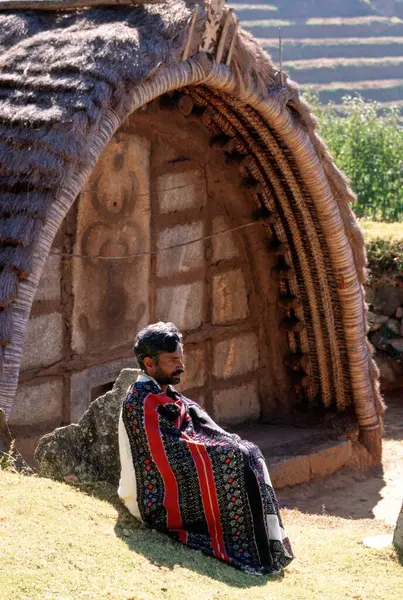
(201, 485)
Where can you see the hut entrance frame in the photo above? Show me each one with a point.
(296, 193)
(169, 196)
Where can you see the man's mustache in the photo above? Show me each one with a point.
(178, 372)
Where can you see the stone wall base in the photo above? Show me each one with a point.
(323, 461)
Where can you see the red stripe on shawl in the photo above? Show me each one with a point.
(209, 496)
(171, 496)
(183, 536)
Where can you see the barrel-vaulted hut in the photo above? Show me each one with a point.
(156, 165)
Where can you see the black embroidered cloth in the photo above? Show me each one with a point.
(201, 485)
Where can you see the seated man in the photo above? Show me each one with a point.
(185, 476)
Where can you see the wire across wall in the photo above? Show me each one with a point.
(152, 252)
(165, 248)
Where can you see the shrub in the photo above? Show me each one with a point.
(368, 147)
(385, 260)
(384, 243)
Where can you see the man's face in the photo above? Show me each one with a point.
(169, 367)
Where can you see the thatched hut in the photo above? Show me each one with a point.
(155, 164)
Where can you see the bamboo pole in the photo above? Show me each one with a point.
(312, 171)
(68, 4)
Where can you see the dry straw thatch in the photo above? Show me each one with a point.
(67, 82)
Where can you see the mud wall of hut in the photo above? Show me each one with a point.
(150, 190)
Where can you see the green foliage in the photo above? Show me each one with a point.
(384, 244)
(368, 147)
(385, 259)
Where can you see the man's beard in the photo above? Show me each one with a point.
(163, 379)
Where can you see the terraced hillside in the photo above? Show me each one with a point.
(336, 47)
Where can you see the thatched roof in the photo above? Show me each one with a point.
(69, 79)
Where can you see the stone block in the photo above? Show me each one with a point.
(375, 321)
(224, 246)
(396, 347)
(26, 446)
(330, 458)
(182, 305)
(387, 299)
(89, 450)
(236, 405)
(291, 470)
(391, 328)
(369, 294)
(43, 344)
(182, 259)
(390, 370)
(379, 340)
(236, 356)
(49, 284)
(194, 369)
(82, 382)
(36, 404)
(387, 374)
(397, 365)
(230, 301)
(179, 191)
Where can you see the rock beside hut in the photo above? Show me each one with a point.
(87, 450)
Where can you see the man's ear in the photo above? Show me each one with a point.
(148, 362)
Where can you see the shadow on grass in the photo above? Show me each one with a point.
(346, 494)
(165, 553)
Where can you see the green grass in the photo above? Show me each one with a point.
(59, 543)
(385, 231)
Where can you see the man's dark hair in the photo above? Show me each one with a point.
(155, 339)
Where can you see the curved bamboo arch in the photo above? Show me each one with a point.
(274, 126)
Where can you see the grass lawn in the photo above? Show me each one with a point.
(385, 231)
(59, 543)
